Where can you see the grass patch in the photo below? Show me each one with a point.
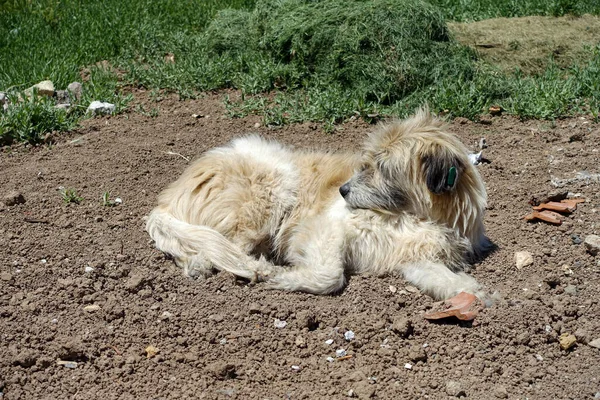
(299, 60)
(476, 10)
(531, 43)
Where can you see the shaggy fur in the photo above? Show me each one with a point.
(411, 203)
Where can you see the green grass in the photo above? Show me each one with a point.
(292, 60)
(475, 10)
(70, 196)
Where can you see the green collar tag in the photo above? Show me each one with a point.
(451, 177)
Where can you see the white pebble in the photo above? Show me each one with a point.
(330, 359)
(223, 341)
(349, 335)
(43, 261)
(340, 353)
(329, 342)
(89, 269)
(539, 357)
(54, 321)
(279, 324)
(407, 366)
(393, 289)
(296, 367)
(118, 200)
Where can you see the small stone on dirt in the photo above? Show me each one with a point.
(88, 269)
(67, 364)
(100, 108)
(571, 290)
(76, 89)
(592, 244)
(402, 326)
(6, 276)
(330, 359)
(134, 283)
(300, 342)
(567, 340)
(151, 351)
(295, 367)
(500, 392)
(13, 198)
(279, 324)
(329, 342)
(91, 308)
(349, 335)
(595, 343)
(455, 389)
(523, 259)
(340, 353)
(408, 366)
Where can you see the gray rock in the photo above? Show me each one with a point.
(134, 283)
(62, 97)
(500, 392)
(13, 198)
(6, 276)
(44, 88)
(100, 108)
(595, 343)
(523, 259)
(402, 326)
(571, 290)
(76, 89)
(455, 389)
(592, 244)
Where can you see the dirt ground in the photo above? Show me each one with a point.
(217, 338)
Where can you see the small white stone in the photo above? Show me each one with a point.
(91, 308)
(407, 366)
(43, 261)
(166, 314)
(68, 364)
(296, 367)
(118, 200)
(393, 289)
(89, 269)
(223, 341)
(329, 342)
(54, 321)
(523, 259)
(340, 353)
(539, 357)
(279, 324)
(349, 335)
(100, 108)
(330, 359)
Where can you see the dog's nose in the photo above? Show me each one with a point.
(344, 189)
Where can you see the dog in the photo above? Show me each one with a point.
(410, 203)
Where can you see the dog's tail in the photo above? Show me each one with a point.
(198, 248)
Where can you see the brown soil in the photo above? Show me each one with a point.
(217, 338)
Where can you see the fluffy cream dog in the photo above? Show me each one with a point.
(411, 203)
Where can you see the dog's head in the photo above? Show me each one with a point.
(416, 166)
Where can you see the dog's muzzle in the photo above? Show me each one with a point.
(345, 189)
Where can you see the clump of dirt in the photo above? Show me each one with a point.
(91, 310)
(529, 43)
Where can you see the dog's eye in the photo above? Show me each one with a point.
(364, 167)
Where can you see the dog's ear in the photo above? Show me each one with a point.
(442, 172)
